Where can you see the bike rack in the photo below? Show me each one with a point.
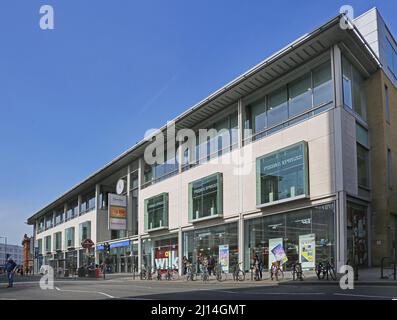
(382, 268)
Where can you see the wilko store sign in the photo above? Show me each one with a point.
(165, 258)
(117, 210)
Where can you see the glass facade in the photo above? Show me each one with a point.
(160, 253)
(84, 231)
(354, 91)
(69, 238)
(290, 231)
(219, 242)
(307, 95)
(362, 157)
(282, 175)
(357, 234)
(123, 257)
(391, 58)
(58, 241)
(47, 244)
(206, 197)
(156, 212)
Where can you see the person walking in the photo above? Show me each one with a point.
(10, 269)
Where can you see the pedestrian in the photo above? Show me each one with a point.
(211, 265)
(184, 265)
(10, 268)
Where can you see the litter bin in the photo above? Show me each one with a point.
(66, 274)
(97, 273)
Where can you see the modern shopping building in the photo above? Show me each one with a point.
(303, 168)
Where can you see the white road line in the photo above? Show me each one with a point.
(81, 291)
(7, 299)
(363, 296)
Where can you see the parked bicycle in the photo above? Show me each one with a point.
(325, 269)
(146, 273)
(205, 276)
(190, 273)
(238, 273)
(219, 273)
(171, 274)
(297, 272)
(276, 271)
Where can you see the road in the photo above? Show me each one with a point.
(181, 290)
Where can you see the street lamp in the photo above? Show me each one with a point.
(5, 248)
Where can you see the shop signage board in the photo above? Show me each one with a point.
(117, 211)
(166, 257)
(307, 251)
(224, 257)
(276, 252)
(87, 243)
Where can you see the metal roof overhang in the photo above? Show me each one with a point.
(284, 61)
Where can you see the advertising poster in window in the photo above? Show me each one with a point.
(276, 251)
(166, 257)
(117, 211)
(307, 251)
(224, 257)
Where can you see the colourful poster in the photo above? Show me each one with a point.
(307, 251)
(224, 257)
(276, 252)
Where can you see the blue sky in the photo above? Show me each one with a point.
(73, 98)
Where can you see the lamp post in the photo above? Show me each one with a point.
(5, 248)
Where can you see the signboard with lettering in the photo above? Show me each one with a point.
(117, 211)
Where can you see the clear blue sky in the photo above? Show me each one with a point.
(73, 98)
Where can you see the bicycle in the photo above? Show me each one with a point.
(219, 273)
(171, 274)
(238, 273)
(190, 274)
(297, 273)
(276, 271)
(205, 277)
(326, 269)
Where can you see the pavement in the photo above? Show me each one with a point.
(124, 287)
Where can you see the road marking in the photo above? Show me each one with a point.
(363, 296)
(7, 299)
(81, 291)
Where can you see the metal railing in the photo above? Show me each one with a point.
(392, 265)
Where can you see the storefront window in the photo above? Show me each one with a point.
(357, 234)
(306, 236)
(205, 197)
(160, 253)
(71, 262)
(218, 242)
(282, 175)
(156, 212)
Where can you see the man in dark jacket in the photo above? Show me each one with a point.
(10, 268)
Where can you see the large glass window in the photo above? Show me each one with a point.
(218, 242)
(322, 85)
(160, 253)
(40, 245)
(205, 197)
(59, 216)
(282, 175)
(357, 234)
(85, 231)
(47, 241)
(156, 212)
(391, 58)
(88, 202)
(69, 237)
(72, 210)
(354, 89)
(306, 236)
(312, 91)
(48, 221)
(58, 241)
(277, 108)
(300, 95)
(362, 157)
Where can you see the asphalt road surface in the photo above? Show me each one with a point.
(181, 290)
